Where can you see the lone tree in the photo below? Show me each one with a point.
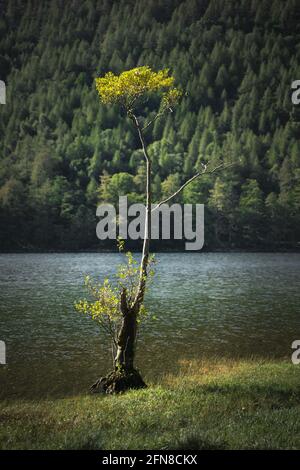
(119, 307)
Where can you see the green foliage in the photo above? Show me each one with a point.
(105, 308)
(126, 88)
(251, 199)
(104, 302)
(57, 140)
(119, 184)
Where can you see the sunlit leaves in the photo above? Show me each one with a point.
(126, 88)
(171, 97)
(104, 303)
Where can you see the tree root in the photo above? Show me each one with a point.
(118, 382)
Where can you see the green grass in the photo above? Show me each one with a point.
(213, 404)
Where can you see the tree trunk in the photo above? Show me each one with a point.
(147, 232)
(125, 375)
(124, 360)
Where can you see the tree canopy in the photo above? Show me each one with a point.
(125, 89)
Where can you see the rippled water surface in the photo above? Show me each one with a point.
(207, 304)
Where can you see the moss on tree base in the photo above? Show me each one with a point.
(118, 382)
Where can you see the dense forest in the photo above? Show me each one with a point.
(62, 151)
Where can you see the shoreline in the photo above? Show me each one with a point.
(170, 251)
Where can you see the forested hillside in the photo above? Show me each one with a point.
(62, 152)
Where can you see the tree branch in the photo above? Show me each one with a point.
(140, 132)
(158, 115)
(146, 245)
(205, 172)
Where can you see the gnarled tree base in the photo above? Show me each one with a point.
(118, 382)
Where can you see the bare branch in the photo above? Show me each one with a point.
(146, 245)
(140, 132)
(158, 115)
(204, 172)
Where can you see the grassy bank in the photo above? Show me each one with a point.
(209, 405)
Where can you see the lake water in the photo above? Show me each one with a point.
(207, 304)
